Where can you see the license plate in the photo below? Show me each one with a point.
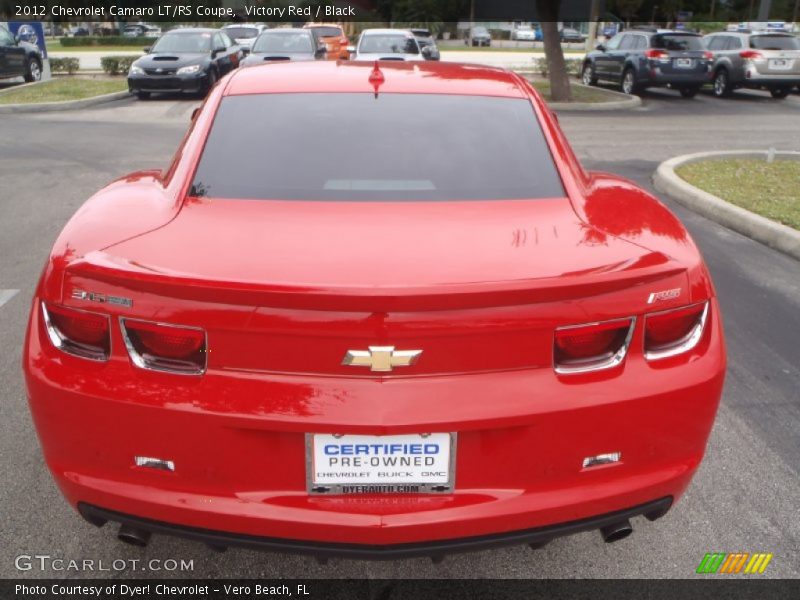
(380, 464)
(780, 64)
(684, 63)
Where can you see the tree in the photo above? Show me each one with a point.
(628, 9)
(560, 90)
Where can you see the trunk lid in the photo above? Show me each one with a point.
(292, 286)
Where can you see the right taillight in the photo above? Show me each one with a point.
(165, 347)
(675, 331)
(592, 346)
(78, 332)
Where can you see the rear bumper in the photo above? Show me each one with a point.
(238, 443)
(535, 537)
(758, 80)
(659, 78)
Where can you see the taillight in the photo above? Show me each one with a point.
(78, 332)
(165, 347)
(593, 346)
(673, 332)
(659, 54)
(708, 55)
(750, 54)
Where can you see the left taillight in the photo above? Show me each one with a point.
(672, 332)
(592, 346)
(165, 347)
(78, 332)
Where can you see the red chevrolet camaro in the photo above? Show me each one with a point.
(443, 337)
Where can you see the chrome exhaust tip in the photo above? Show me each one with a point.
(133, 536)
(616, 531)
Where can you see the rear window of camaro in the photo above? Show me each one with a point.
(394, 147)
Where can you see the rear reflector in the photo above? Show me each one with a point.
(593, 346)
(673, 332)
(78, 332)
(165, 347)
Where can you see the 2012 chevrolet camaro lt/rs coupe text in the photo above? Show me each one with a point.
(444, 337)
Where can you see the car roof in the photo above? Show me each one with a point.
(192, 30)
(253, 25)
(387, 31)
(353, 77)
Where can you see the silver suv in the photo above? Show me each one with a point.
(754, 60)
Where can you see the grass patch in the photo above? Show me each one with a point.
(55, 46)
(580, 93)
(771, 190)
(58, 90)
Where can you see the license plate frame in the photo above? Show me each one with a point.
(321, 486)
(684, 63)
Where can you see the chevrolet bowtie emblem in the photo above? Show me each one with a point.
(381, 358)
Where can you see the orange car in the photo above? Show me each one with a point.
(335, 40)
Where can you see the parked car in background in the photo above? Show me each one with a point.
(478, 36)
(640, 58)
(285, 44)
(333, 37)
(524, 33)
(387, 44)
(189, 60)
(18, 58)
(768, 61)
(569, 35)
(141, 30)
(244, 34)
(77, 31)
(427, 43)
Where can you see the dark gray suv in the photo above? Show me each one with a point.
(758, 60)
(640, 58)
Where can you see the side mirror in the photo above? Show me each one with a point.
(147, 49)
(245, 50)
(427, 52)
(322, 50)
(600, 47)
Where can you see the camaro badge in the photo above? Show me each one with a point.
(381, 358)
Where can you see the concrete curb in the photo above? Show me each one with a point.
(625, 101)
(65, 105)
(768, 232)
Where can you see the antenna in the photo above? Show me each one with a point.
(376, 77)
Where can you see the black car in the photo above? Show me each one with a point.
(285, 44)
(187, 60)
(18, 58)
(637, 59)
(425, 40)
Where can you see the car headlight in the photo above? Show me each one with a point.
(136, 70)
(188, 70)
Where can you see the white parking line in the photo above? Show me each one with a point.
(6, 295)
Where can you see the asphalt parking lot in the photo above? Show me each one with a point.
(744, 498)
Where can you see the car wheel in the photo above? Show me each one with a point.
(587, 76)
(33, 70)
(689, 92)
(629, 85)
(143, 95)
(722, 84)
(779, 93)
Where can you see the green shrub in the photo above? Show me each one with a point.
(64, 65)
(106, 40)
(117, 65)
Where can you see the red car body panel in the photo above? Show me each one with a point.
(479, 285)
